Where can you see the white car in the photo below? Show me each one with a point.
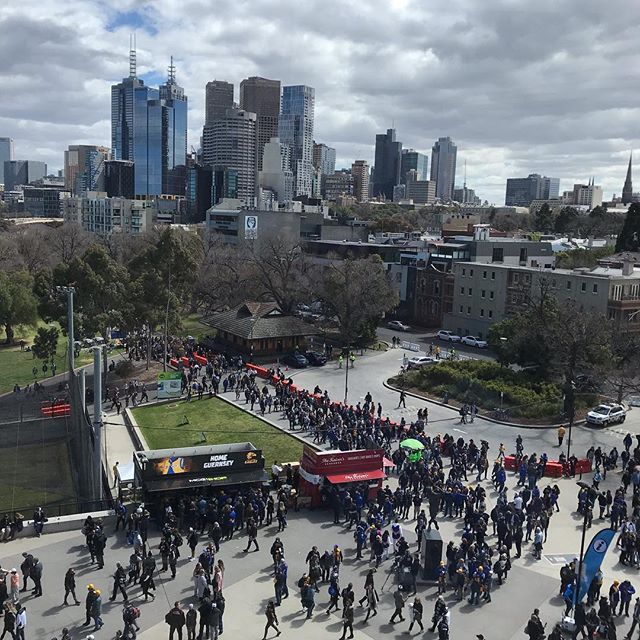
(397, 325)
(419, 361)
(447, 335)
(473, 341)
(605, 414)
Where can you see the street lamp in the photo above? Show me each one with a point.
(570, 403)
(69, 291)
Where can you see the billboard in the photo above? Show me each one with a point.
(251, 227)
(233, 461)
(169, 385)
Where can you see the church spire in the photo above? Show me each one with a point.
(627, 190)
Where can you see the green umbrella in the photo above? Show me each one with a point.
(412, 443)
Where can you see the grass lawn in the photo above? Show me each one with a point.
(163, 428)
(47, 480)
(191, 326)
(16, 365)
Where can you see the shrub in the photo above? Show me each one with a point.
(124, 368)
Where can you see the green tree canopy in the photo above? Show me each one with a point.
(544, 218)
(18, 304)
(629, 236)
(45, 343)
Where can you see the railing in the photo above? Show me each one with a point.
(64, 508)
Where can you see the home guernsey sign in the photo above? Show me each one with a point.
(233, 461)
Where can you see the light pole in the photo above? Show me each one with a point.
(570, 396)
(346, 376)
(69, 291)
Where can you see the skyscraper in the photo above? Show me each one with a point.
(149, 126)
(20, 172)
(218, 98)
(386, 171)
(276, 175)
(84, 167)
(413, 160)
(262, 97)
(6, 154)
(360, 173)
(119, 179)
(296, 131)
(443, 167)
(324, 158)
(230, 142)
(627, 190)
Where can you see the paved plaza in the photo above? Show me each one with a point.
(248, 581)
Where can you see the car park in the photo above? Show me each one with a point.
(397, 325)
(605, 414)
(315, 359)
(296, 360)
(473, 341)
(447, 335)
(420, 361)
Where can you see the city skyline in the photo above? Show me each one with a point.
(512, 107)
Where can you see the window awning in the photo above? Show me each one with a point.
(182, 481)
(358, 476)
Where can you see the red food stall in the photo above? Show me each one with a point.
(339, 467)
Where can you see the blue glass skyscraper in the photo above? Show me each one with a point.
(149, 126)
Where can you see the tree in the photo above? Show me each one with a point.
(357, 292)
(621, 376)
(18, 305)
(629, 236)
(544, 218)
(45, 343)
(566, 220)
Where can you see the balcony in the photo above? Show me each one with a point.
(627, 302)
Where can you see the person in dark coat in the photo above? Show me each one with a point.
(70, 586)
(36, 576)
(176, 620)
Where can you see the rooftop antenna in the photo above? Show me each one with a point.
(132, 55)
(172, 72)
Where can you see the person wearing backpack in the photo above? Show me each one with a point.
(130, 615)
(176, 620)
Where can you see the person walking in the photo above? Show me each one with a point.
(535, 628)
(347, 620)
(402, 402)
(21, 622)
(88, 603)
(176, 620)
(96, 610)
(416, 614)
(190, 619)
(26, 567)
(635, 618)
(70, 586)
(398, 600)
(272, 619)
(252, 533)
(9, 620)
(561, 433)
(14, 586)
(119, 581)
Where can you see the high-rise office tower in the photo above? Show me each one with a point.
(296, 131)
(160, 139)
(413, 160)
(84, 167)
(522, 191)
(21, 172)
(262, 97)
(443, 167)
(276, 174)
(387, 166)
(6, 154)
(122, 109)
(149, 126)
(627, 189)
(218, 98)
(230, 142)
(360, 173)
(324, 158)
(119, 179)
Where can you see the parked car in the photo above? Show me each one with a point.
(296, 360)
(315, 359)
(473, 341)
(419, 361)
(396, 325)
(447, 335)
(605, 414)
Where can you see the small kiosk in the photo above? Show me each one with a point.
(339, 467)
(190, 468)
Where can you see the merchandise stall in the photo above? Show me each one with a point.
(164, 472)
(319, 468)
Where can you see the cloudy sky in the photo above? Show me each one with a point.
(550, 86)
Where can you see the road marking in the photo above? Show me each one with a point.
(459, 430)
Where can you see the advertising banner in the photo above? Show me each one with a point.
(198, 464)
(169, 385)
(251, 227)
(593, 558)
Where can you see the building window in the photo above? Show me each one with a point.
(469, 291)
(436, 288)
(461, 291)
(490, 313)
(516, 277)
(527, 278)
(634, 289)
(493, 275)
(482, 313)
(497, 254)
(568, 284)
(464, 272)
(616, 292)
(595, 288)
(523, 255)
(491, 295)
(468, 311)
(483, 294)
(461, 309)
(583, 287)
(471, 273)
(484, 275)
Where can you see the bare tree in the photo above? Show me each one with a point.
(67, 242)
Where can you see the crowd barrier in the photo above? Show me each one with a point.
(55, 410)
(553, 468)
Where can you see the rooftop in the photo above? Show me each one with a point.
(595, 272)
